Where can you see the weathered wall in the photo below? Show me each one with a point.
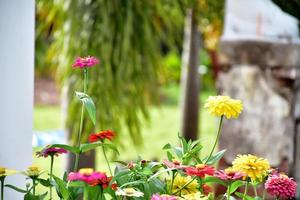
(265, 126)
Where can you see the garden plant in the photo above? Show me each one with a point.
(183, 174)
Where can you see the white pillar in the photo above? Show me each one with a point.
(16, 88)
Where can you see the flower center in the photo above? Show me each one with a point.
(200, 166)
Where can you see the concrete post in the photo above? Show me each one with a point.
(16, 87)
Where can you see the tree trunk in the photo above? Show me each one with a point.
(190, 78)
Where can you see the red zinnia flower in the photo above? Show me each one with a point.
(51, 151)
(107, 134)
(88, 61)
(281, 186)
(200, 170)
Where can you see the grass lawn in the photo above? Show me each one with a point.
(162, 128)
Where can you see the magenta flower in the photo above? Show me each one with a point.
(228, 175)
(90, 177)
(51, 151)
(82, 62)
(281, 186)
(163, 197)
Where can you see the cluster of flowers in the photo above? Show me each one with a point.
(182, 176)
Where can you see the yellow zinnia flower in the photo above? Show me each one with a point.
(180, 181)
(224, 105)
(6, 172)
(33, 171)
(254, 167)
(194, 196)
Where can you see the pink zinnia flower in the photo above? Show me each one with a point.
(228, 175)
(200, 170)
(51, 151)
(175, 164)
(281, 186)
(90, 177)
(163, 197)
(88, 61)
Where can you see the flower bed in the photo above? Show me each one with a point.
(181, 175)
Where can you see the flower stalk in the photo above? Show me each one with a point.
(217, 139)
(228, 191)
(106, 159)
(51, 174)
(246, 189)
(85, 80)
(2, 188)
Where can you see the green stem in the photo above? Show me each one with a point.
(51, 175)
(246, 190)
(85, 79)
(2, 188)
(228, 191)
(255, 191)
(33, 186)
(172, 181)
(104, 153)
(217, 139)
(185, 185)
(264, 195)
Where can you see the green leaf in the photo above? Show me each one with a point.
(235, 185)
(89, 146)
(215, 158)
(77, 184)
(169, 155)
(61, 188)
(167, 146)
(16, 188)
(212, 179)
(30, 196)
(88, 104)
(147, 171)
(45, 182)
(72, 149)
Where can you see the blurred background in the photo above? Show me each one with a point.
(159, 61)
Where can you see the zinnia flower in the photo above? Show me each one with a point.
(107, 134)
(175, 164)
(33, 171)
(200, 170)
(163, 197)
(82, 62)
(6, 172)
(224, 105)
(51, 151)
(281, 186)
(254, 167)
(180, 181)
(229, 174)
(129, 192)
(194, 196)
(90, 177)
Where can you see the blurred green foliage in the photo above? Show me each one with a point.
(138, 42)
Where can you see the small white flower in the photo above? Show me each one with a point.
(129, 192)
